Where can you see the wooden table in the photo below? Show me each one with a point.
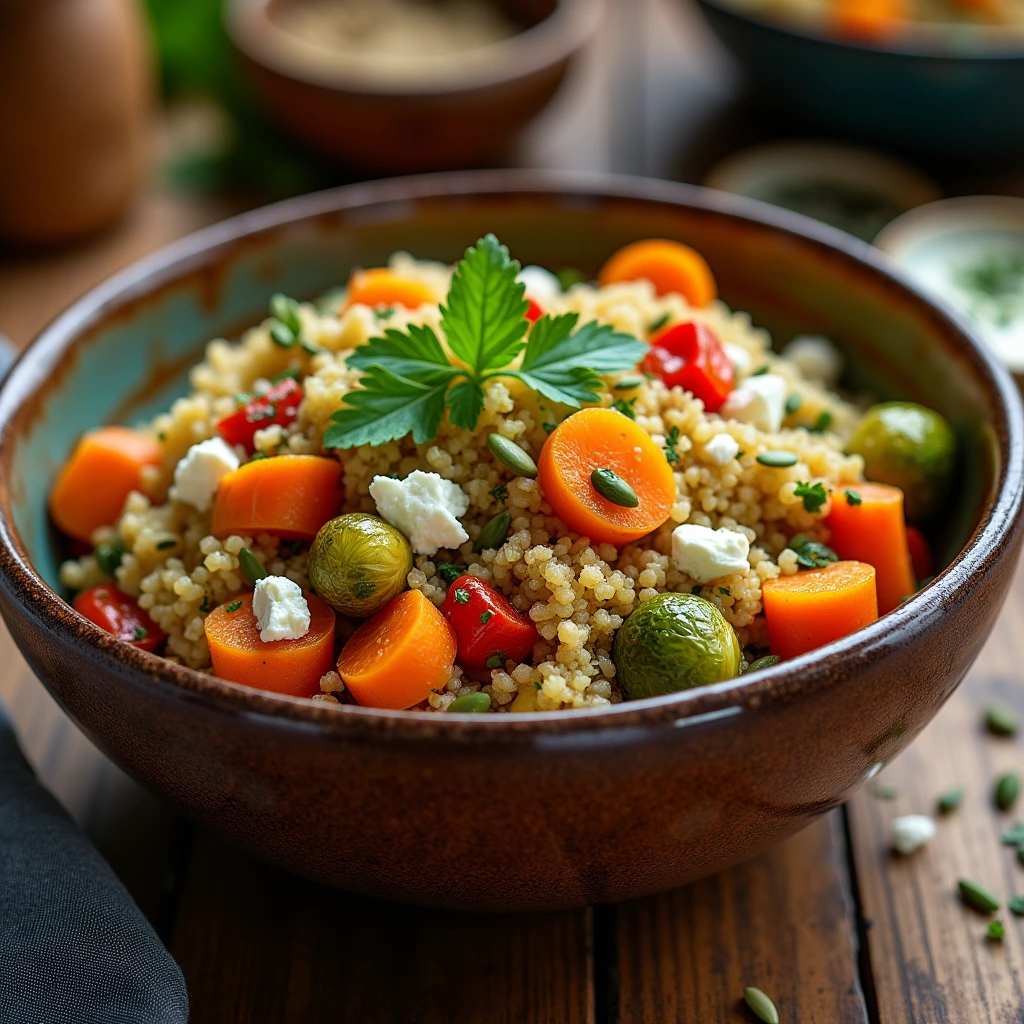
(830, 923)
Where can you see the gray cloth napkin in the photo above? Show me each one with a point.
(74, 948)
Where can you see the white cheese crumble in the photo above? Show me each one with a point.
(541, 284)
(816, 358)
(198, 475)
(281, 610)
(722, 449)
(760, 401)
(425, 507)
(705, 554)
(741, 360)
(911, 832)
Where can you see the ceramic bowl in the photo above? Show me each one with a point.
(470, 115)
(918, 96)
(509, 812)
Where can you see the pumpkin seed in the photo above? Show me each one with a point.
(494, 532)
(252, 568)
(792, 404)
(778, 460)
(1014, 835)
(996, 931)
(766, 662)
(471, 702)
(977, 896)
(1007, 790)
(612, 487)
(1016, 905)
(950, 801)
(1001, 719)
(286, 311)
(511, 456)
(282, 336)
(761, 1006)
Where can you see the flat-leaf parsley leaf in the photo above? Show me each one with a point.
(813, 495)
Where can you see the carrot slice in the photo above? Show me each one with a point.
(281, 666)
(396, 658)
(383, 287)
(868, 20)
(875, 531)
(290, 496)
(91, 488)
(808, 610)
(669, 266)
(605, 439)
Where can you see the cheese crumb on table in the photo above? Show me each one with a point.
(705, 554)
(198, 475)
(760, 401)
(911, 832)
(425, 507)
(281, 610)
(722, 449)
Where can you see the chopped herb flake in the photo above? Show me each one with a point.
(165, 544)
(140, 633)
(496, 660)
(233, 607)
(657, 325)
(853, 497)
(486, 617)
(627, 408)
(996, 931)
(499, 493)
(448, 571)
(462, 596)
(1016, 905)
(671, 447)
(725, 591)
(813, 495)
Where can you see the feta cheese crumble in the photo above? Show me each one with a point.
(540, 284)
(425, 507)
(742, 363)
(722, 449)
(816, 358)
(705, 554)
(911, 832)
(198, 475)
(281, 610)
(760, 401)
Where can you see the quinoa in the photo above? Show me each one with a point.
(576, 593)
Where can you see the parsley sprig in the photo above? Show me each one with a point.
(410, 378)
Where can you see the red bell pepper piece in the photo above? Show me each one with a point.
(920, 553)
(533, 312)
(117, 613)
(488, 629)
(691, 357)
(279, 405)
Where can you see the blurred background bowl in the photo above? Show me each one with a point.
(921, 97)
(469, 113)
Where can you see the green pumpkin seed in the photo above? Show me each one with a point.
(510, 455)
(761, 1006)
(252, 568)
(612, 487)
(778, 460)
(282, 336)
(766, 662)
(1014, 835)
(494, 532)
(1007, 790)
(950, 801)
(471, 702)
(977, 896)
(792, 404)
(1016, 905)
(996, 931)
(286, 310)
(1001, 719)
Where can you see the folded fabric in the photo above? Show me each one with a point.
(74, 948)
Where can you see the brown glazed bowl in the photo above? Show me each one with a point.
(468, 116)
(510, 812)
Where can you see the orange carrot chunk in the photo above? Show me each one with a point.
(289, 496)
(868, 20)
(813, 608)
(396, 658)
(669, 266)
(605, 439)
(281, 666)
(383, 287)
(104, 467)
(874, 531)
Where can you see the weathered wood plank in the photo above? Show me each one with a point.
(783, 922)
(929, 956)
(257, 944)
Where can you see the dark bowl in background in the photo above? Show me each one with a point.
(472, 118)
(916, 97)
(509, 812)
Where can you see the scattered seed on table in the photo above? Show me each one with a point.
(1014, 835)
(884, 790)
(1007, 790)
(1001, 719)
(949, 802)
(1020, 854)
(761, 1006)
(1016, 905)
(977, 896)
(996, 931)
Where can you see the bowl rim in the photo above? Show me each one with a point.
(549, 42)
(993, 536)
(916, 47)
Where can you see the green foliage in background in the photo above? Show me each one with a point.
(197, 60)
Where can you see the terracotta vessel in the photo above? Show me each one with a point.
(510, 812)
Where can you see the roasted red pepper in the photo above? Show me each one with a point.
(691, 357)
(489, 630)
(117, 613)
(534, 312)
(920, 553)
(279, 405)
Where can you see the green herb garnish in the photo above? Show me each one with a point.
(671, 447)
(140, 633)
(996, 931)
(108, 557)
(448, 571)
(286, 312)
(486, 617)
(462, 596)
(812, 555)
(761, 371)
(628, 384)
(233, 607)
(657, 325)
(995, 286)
(410, 378)
(725, 591)
(626, 406)
(499, 493)
(813, 495)
(568, 276)
(853, 497)
(822, 423)
(548, 427)
(384, 314)
(496, 660)
(205, 604)
(1016, 905)
(165, 544)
